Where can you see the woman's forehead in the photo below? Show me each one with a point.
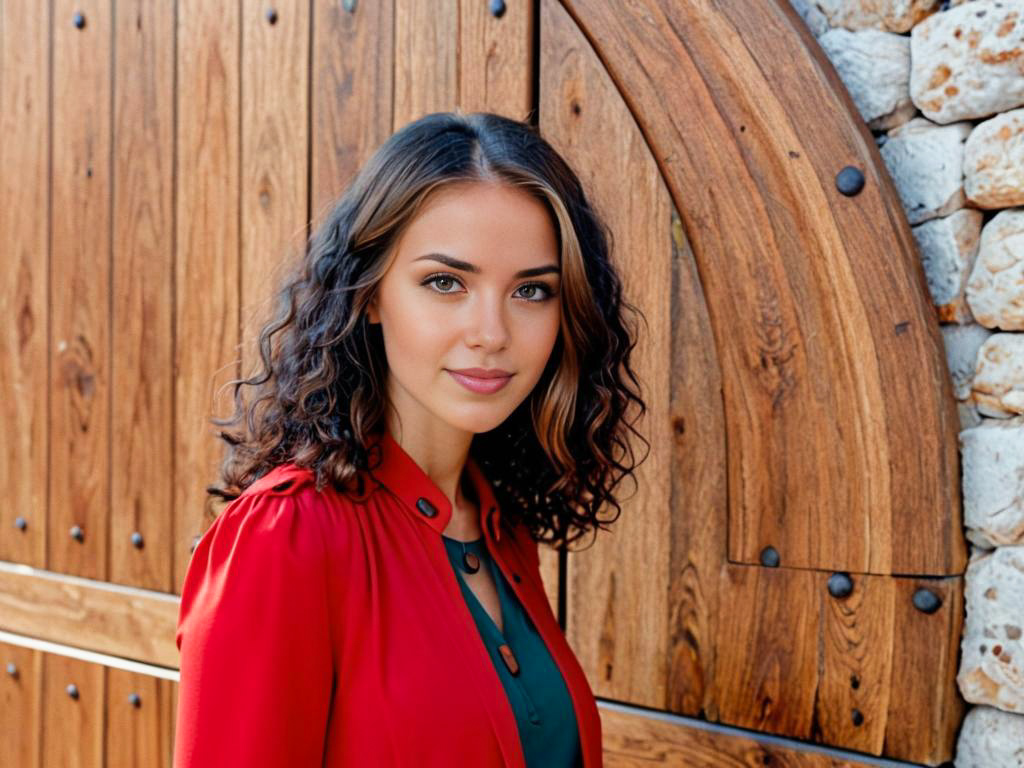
(482, 224)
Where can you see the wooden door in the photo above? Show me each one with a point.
(792, 560)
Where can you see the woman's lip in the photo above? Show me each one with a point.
(478, 385)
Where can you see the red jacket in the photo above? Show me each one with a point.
(318, 630)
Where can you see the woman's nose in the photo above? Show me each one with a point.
(488, 325)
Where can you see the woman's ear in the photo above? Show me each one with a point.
(371, 310)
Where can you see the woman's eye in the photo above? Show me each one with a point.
(443, 284)
(532, 287)
(440, 280)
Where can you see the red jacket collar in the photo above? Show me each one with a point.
(395, 469)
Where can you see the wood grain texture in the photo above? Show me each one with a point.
(634, 740)
(868, 671)
(142, 293)
(622, 637)
(496, 59)
(21, 714)
(275, 157)
(96, 616)
(207, 279)
(140, 735)
(72, 731)
(789, 340)
(757, 417)
(79, 469)
(352, 100)
(697, 536)
(766, 651)
(821, 319)
(426, 58)
(925, 658)
(24, 282)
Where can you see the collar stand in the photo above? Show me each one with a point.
(395, 469)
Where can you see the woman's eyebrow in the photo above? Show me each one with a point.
(465, 266)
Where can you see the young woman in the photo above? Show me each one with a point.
(445, 385)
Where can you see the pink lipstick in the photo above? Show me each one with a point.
(480, 380)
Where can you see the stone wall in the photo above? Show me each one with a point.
(941, 86)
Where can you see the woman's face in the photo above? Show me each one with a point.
(454, 298)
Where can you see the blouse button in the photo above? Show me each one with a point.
(516, 578)
(509, 658)
(426, 507)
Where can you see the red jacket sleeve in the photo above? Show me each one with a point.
(254, 635)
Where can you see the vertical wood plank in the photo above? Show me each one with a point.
(138, 735)
(24, 296)
(72, 727)
(496, 58)
(80, 290)
(141, 380)
(618, 609)
(857, 662)
(170, 723)
(926, 708)
(426, 64)
(275, 147)
(206, 323)
(352, 106)
(699, 489)
(766, 650)
(21, 696)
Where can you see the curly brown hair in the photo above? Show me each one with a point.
(319, 390)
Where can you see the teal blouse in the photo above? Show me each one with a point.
(538, 694)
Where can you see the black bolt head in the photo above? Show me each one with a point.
(850, 181)
(79, 20)
(926, 601)
(840, 585)
(770, 557)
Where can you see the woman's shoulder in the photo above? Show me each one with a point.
(274, 514)
(286, 503)
(282, 480)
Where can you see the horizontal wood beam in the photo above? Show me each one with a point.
(91, 615)
(634, 736)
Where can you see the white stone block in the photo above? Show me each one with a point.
(990, 737)
(891, 15)
(962, 343)
(992, 654)
(966, 63)
(925, 162)
(992, 462)
(875, 68)
(995, 289)
(998, 385)
(994, 160)
(948, 247)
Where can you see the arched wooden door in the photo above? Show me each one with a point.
(803, 494)
(792, 562)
